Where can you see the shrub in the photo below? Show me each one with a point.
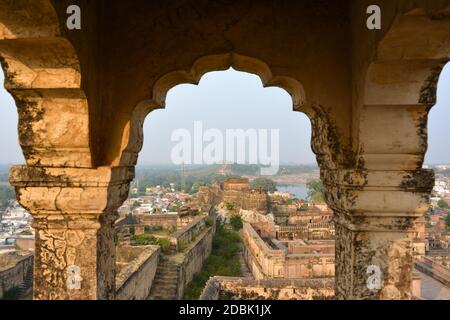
(148, 239)
(236, 222)
(165, 245)
(172, 229)
(208, 222)
(12, 293)
(229, 206)
(443, 204)
(182, 245)
(265, 184)
(316, 191)
(144, 239)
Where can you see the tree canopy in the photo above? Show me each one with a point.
(447, 220)
(6, 193)
(443, 204)
(316, 191)
(264, 184)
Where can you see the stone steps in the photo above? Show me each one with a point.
(165, 284)
(26, 285)
(166, 278)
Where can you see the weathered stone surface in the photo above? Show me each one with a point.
(229, 288)
(83, 95)
(374, 215)
(136, 270)
(74, 211)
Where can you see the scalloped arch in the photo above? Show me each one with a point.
(132, 138)
(222, 62)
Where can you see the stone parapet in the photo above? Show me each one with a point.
(231, 288)
(136, 269)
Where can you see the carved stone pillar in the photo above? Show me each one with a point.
(74, 210)
(374, 215)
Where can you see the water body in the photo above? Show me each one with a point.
(298, 190)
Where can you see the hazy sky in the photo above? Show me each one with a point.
(233, 100)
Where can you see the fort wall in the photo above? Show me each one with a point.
(16, 271)
(266, 262)
(136, 269)
(229, 288)
(194, 258)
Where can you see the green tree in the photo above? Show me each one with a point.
(316, 191)
(236, 222)
(195, 187)
(264, 184)
(447, 220)
(6, 193)
(442, 204)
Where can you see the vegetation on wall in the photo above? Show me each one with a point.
(229, 206)
(208, 222)
(223, 261)
(148, 239)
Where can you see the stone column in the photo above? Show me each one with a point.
(374, 215)
(74, 210)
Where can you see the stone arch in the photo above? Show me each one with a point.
(403, 76)
(42, 73)
(377, 189)
(132, 138)
(376, 204)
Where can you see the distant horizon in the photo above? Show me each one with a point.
(190, 165)
(207, 165)
(233, 100)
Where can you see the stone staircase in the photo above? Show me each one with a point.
(27, 285)
(165, 284)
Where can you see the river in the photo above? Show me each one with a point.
(298, 190)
